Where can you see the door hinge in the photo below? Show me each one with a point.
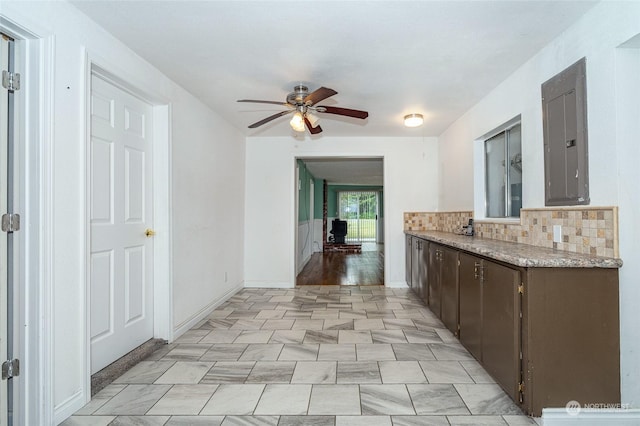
(10, 81)
(10, 369)
(10, 222)
(521, 387)
(521, 289)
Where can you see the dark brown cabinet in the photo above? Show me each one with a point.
(449, 285)
(443, 284)
(434, 278)
(407, 270)
(415, 265)
(570, 337)
(546, 335)
(471, 304)
(490, 318)
(501, 325)
(419, 267)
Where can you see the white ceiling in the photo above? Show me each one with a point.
(351, 171)
(390, 58)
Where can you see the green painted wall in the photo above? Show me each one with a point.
(305, 178)
(332, 197)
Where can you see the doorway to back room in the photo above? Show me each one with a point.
(347, 223)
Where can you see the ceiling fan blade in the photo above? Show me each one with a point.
(270, 118)
(319, 95)
(355, 113)
(263, 102)
(312, 130)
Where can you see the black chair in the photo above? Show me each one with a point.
(339, 230)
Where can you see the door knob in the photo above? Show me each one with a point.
(149, 232)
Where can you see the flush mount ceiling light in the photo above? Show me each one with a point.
(413, 120)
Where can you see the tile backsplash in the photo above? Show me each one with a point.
(588, 230)
(436, 221)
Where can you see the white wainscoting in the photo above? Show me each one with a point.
(317, 235)
(305, 244)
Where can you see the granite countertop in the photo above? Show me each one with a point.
(518, 254)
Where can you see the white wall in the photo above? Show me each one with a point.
(613, 148)
(410, 184)
(628, 176)
(207, 187)
(208, 210)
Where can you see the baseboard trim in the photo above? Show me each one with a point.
(66, 408)
(189, 323)
(267, 284)
(396, 284)
(590, 417)
(108, 374)
(303, 264)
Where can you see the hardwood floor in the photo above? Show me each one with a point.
(366, 268)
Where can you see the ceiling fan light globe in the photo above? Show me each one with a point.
(413, 120)
(313, 119)
(297, 122)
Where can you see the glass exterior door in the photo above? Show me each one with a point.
(360, 210)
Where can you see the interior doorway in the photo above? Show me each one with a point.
(128, 181)
(121, 190)
(347, 220)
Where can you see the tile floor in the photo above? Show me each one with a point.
(313, 355)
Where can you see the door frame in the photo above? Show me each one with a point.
(161, 208)
(5, 321)
(33, 328)
(293, 208)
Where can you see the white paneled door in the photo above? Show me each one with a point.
(121, 223)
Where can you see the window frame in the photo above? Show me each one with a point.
(504, 129)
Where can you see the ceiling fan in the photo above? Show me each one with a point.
(303, 105)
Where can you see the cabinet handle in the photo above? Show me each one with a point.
(477, 268)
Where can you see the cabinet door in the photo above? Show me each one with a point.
(415, 264)
(425, 269)
(471, 304)
(501, 325)
(408, 253)
(449, 289)
(434, 283)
